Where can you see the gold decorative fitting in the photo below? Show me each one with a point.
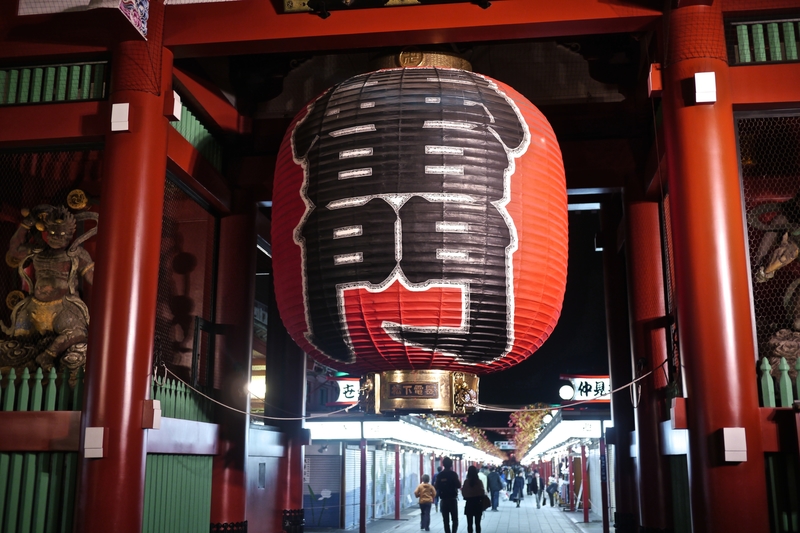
(12, 260)
(421, 391)
(77, 199)
(414, 57)
(13, 298)
(87, 268)
(40, 226)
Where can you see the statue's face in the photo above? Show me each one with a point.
(58, 236)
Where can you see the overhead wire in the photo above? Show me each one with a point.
(581, 402)
(254, 415)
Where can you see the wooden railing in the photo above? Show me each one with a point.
(37, 489)
(53, 83)
(39, 458)
(779, 391)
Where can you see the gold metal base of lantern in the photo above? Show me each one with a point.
(420, 391)
(418, 57)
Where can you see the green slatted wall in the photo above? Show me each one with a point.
(191, 129)
(763, 42)
(177, 494)
(37, 489)
(53, 83)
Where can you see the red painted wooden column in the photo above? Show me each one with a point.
(235, 302)
(647, 312)
(604, 484)
(619, 365)
(571, 465)
(712, 282)
(119, 362)
(584, 484)
(285, 401)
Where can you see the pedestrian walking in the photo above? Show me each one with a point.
(495, 485)
(473, 492)
(426, 493)
(518, 489)
(447, 485)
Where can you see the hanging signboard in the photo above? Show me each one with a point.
(348, 391)
(588, 388)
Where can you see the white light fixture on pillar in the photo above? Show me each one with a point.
(705, 87)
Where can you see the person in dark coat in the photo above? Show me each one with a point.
(518, 490)
(447, 485)
(433, 482)
(495, 486)
(473, 492)
(529, 481)
(538, 489)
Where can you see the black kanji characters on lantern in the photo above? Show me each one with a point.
(407, 173)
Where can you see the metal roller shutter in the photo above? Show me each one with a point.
(370, 483)
(390, 482)
(352, 486)
(381, 488)
(322, 494)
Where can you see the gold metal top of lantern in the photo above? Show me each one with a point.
(421, 391)
(415, 57)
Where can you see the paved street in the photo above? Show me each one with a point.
(509, 519)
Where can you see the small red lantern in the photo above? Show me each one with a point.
(420, 223)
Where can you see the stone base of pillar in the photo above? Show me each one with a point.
(293, 520)
(625, 523)
(233, 527)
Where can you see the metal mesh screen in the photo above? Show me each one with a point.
(673, 346)
(770, 163)
(29, 179)
(184, 314)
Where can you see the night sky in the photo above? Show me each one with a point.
(578, 343)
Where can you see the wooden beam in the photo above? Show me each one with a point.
(209, 101)
(779, 429)
(193, 170)
(255, 26)
(58, 123)
(765, 86)
(40, 431)
(185, 437)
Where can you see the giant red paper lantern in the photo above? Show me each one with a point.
(420, 222)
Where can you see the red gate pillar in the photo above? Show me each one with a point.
(285, 401)
(619, 365)
(235, 302)
(584, 484)
(711, 269)
(120, 358)
(648, 336)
